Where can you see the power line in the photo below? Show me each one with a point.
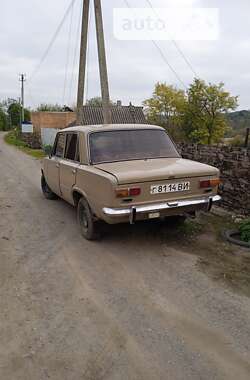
(29, 93)
(168, 64)
(175, 44)
(51, 43)
(157, 46)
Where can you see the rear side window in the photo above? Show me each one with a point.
(72, 151)
(59, 148)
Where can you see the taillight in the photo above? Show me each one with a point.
(209, 183)
(122, 193)
(215, 182)
(205, 184)
(130, 192)
(135, 191)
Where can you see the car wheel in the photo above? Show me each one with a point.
(89, 227)
(48, 193)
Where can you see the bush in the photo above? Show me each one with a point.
(245, 230)
(3, 120)
(47, 149)
(237, 141)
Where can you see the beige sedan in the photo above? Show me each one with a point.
(125, 173)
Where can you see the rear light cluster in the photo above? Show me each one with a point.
(210, 183)
(129, 192)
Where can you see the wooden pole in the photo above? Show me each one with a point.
(82, 63)
(102, 63)
(247, 137)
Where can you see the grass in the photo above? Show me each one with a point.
(12, 139)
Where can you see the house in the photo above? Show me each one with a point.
(46, 124)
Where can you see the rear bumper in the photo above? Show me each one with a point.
(206, 202)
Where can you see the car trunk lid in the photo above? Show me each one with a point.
(140, 171)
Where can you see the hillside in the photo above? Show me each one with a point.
(239, 121)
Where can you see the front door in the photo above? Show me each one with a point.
(69, 166)
(53, 168)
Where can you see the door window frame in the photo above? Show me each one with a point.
(55, 145)
(77, 152)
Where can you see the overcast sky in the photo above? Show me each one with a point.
(134, 66)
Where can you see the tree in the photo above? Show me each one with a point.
(97, 102)
(166, 108)
(14, 111)
(47, 107)
(11, 113)
(3, 120)
(207, 104)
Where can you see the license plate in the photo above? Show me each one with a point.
(170, 188)
(154, 215)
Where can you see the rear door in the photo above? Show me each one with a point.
(53, 164)
(69, 165)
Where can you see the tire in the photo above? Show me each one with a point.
(47, 192)
(89, 227)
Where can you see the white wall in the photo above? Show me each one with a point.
(48, 135)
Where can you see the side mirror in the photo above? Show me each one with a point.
(48, 149)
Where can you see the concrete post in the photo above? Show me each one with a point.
(102, 63)
(82, 63)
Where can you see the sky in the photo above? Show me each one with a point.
(134, 67)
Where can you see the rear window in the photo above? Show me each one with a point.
(127, 145)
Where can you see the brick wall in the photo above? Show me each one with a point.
(234, 164)
(58, 120)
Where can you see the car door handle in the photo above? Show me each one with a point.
(57, 165)
(74, 171)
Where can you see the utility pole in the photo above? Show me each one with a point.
(102, 63)
(22, 79)
(82, 64)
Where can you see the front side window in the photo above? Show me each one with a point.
(126, 145)
(72, 151)
(59, 148)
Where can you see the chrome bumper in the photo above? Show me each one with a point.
(132, 211)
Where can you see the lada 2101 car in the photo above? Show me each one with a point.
(125, 173)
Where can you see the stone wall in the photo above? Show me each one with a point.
(234, 164)
(33, 140)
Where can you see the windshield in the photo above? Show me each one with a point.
(126, 145)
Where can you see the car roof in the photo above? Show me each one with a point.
(109, 127)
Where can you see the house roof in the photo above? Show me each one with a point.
(93, 115)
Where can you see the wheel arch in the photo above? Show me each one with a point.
(77, 194)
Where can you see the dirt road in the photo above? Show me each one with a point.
(134, 306)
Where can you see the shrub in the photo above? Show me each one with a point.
(245, 230)
(237, 141)
(47, 149)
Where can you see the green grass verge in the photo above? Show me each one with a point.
(12, 139)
